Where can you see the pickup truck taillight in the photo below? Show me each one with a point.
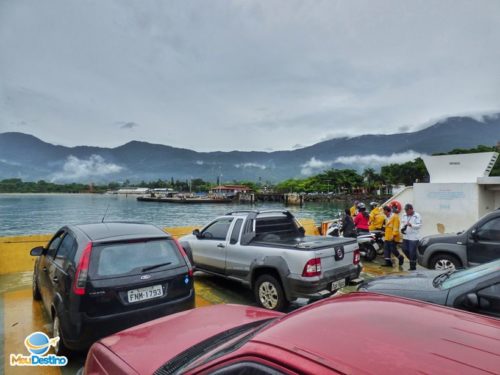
(312, 268)
(356, 257)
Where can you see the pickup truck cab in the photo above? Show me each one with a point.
(479, 244)
(269, 252)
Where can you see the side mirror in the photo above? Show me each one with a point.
(473, 234)
(302, 231)
(196, 233)
(37, 251)
(472, 300)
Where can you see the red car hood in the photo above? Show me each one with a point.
(148, 346)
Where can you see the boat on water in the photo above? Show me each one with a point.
(185, 199)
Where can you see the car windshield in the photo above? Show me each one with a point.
(462, 276)
(109, 260)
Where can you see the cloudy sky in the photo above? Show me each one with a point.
(246, 75)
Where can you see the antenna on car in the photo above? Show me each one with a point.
(105, 213)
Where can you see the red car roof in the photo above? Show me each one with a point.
(356, 333)
(148, 346)
(366, 332)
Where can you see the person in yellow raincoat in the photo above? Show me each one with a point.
(354, 209)
(392, 236)
(377, 217)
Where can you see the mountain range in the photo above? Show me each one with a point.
(31, 159)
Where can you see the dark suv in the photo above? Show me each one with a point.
(479, 244)
(97, 279)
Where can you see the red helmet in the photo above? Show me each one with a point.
(396, 206)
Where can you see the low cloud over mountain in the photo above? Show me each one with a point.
(95, 166)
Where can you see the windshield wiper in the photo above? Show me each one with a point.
(149, 268)
(177, 364)
(439, 279)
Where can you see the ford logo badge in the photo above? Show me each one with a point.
(145, 277)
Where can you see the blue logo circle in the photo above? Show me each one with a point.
(37, 343)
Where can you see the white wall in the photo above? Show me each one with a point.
(454, 205)
(486, 200)
(497, 199)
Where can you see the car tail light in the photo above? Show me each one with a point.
(312, 268)
(186, 258)
(82, 271)
(356, 257)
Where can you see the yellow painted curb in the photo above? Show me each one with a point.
(15, 251)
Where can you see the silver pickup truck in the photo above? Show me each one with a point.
(269, 252)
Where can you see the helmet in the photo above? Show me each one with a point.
(396, 206)
(361, 205)
(373, 204)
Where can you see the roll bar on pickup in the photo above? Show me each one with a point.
(257, 212)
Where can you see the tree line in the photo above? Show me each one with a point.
(337, 181)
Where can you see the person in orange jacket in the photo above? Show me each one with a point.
(392, 236)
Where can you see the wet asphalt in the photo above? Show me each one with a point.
(22, 316)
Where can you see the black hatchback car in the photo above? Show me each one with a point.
(97, 279)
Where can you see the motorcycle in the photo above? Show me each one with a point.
(370, 244)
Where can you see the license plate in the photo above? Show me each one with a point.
(142, 294)
(337, 285)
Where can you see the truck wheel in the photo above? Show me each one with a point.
(269, 293)
(444, 262)
(36, 292)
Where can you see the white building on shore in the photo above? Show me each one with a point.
(460, 191)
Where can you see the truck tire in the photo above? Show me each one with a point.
(269, 293)
(444, 262)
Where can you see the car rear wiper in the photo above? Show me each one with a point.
(439, 279)
(149, 268)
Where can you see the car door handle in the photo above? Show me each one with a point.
(221, 245)
(55, 279)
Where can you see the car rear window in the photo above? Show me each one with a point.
(126, 258)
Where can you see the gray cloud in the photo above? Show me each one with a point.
(358, 162)
(75, 169)
(128, 125)
(314, 166)
(378, 160)
(240, 77)
(251, 165)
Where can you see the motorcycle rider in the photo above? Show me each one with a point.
(348, 228)
(410, 227)
(392, 236)
(377, 217)
(361, 219)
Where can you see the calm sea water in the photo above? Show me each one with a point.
(22, 214)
